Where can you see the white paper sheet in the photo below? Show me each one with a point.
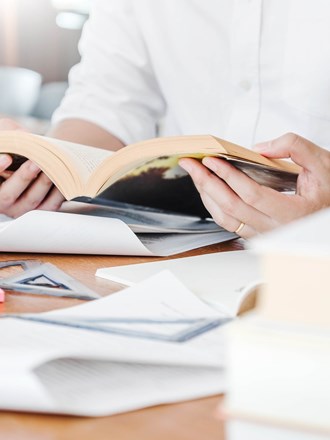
(56, 364)
(60, 232)
(223, 279)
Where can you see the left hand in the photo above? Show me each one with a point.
(234, 199)
(26, 188)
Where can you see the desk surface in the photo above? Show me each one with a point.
(188, 420)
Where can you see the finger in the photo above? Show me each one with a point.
(227, 202)
(223, 197)
(247, 232)
(16, 184)
(263, 199)
(5, 161)
(225, 221)
(33, 196)
(53, 201)
(4, 175)
(300, 150)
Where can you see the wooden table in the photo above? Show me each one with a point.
(189, 420)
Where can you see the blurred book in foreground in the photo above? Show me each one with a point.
(279, 357)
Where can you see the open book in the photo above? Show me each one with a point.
(145, 173)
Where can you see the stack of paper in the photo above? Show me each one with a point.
(79, 361)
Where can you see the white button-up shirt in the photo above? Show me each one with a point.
(244, 70)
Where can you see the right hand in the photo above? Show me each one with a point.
(27, 188)
(236, 201)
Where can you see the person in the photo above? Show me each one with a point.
(244, 71)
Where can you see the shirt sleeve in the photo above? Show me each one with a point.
(114, 85)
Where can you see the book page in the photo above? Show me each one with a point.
(142, 219)
(170, 244)
(86, 158)
(67, 164)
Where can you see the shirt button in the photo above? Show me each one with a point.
(245, 85)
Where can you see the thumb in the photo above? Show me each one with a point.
(302, 151)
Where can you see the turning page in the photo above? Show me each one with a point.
(61, 232)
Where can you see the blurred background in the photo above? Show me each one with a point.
(38, 46)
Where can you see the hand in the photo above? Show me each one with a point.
(233, 199)
(27, 188)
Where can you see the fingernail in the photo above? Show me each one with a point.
(185, 164)
(5, 160)
(211, 163)
(33, 167)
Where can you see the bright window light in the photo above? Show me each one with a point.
(70, 20)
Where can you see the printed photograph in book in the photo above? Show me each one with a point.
(158, 184)
(162, 184)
